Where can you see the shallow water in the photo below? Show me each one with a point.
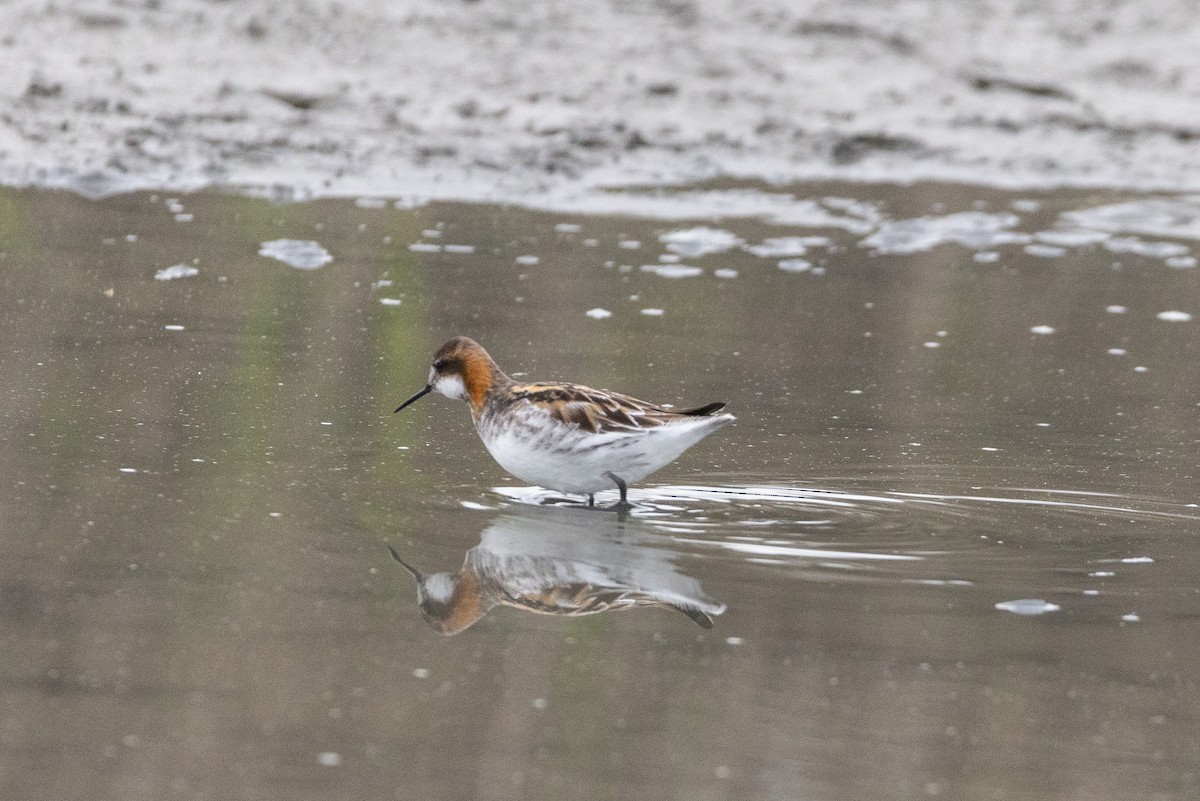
(948, 550)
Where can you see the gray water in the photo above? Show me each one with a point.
(949, 549)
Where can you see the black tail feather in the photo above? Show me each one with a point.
(701, 618)
(703, 411)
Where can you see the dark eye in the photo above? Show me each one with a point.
(441, 364)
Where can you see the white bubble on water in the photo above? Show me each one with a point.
(795, 265)
(780, 246)
(303, 254)
(598, 313)
(176, 271)
(1045, 251)
(425, 247)
(725, 272)
(527, 260)
(672, 270)
(568, 228)
(1174, 316)
(1117, 352)
(1028, 606)
(1132, 617)
(1116, 309)
(653, 312)
(459, 248)
(1043, 330)
(329, 759)
(700, 241)
(174, 327)
(390, 301)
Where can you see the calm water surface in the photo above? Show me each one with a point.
(949, 549)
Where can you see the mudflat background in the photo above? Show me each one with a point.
(548, 102)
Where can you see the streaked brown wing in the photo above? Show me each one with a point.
(594, 410)
(570, 600)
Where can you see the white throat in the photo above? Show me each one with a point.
(439, 587)
(451, 386)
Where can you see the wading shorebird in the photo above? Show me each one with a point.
(565, 437)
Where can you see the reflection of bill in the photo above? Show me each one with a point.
(559, 564)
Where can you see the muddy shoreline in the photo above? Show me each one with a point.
(551, 106)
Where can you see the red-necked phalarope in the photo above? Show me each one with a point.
(565, 437)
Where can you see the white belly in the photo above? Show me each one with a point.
(536, 448)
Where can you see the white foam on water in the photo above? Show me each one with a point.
(598, 313)
(1043, 330)
(303, 254)
(1028, 606)
(1174, 316)
(795, 265)
(780, 246)
(1045, 251)
(672, 270)
(700, 241)
(176, 271)
(1176, 218)
(972, 229)
(1071, 238)
(1154, 250)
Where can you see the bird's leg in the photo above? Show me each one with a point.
(591, 500)
(620, 482)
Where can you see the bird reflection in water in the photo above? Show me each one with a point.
(553, 564)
